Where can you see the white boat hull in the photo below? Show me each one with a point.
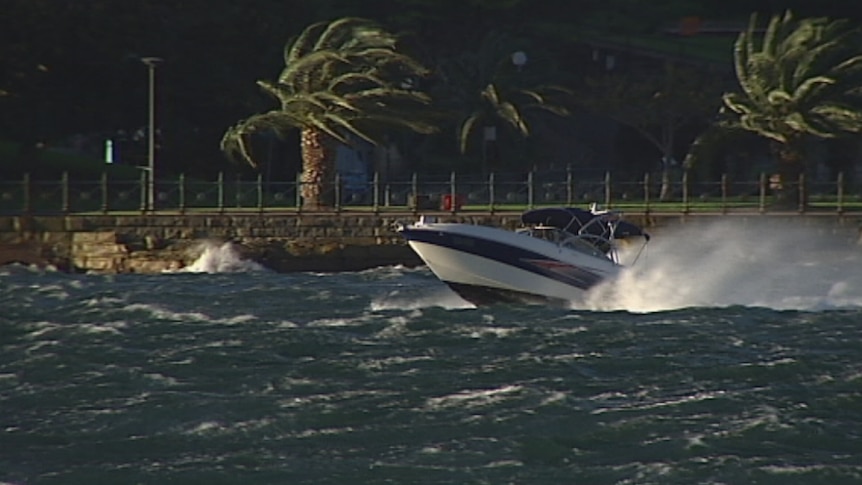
(485, 264)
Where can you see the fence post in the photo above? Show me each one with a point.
(220, 183)
(143, 186)
(685, 201)
(607, 190)
(182, 192)
(104, 189)
(260, 192)
(376, 192)
(569, 188)
(26, 188)
(840, 207)
(646, 193)
(337, 192)
(802, 191)
(453, 201)
(530, 190)
(64, 204)
(414, 187)
(762, 192)
(724, 193)
(491, 192)
(298, 192)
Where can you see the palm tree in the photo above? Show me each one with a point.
(802, 79)
(486, 89)
(342, 80)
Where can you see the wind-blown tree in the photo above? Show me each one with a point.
(801, 79)
(343, 80)
(490, 88)
(656, 103)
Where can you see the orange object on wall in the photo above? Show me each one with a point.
(446, 202)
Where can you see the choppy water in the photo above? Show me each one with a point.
(721, 358)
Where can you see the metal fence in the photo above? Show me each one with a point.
(426, 193)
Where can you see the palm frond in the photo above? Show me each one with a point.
(804, 79)
(743, 51)
(302, 45)
(339, 32)
(388, 96)
(234, 142)
(738, 103)
(466, 130)
(762, 125)
(320, 121)
(772, 35)
(847, 118)
(809, 87)
(491, 94)
(813, 125)
(350, 80)
(340, 123)
(416, 125)
(306, 73)
(509, 113)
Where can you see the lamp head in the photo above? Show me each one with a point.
(519, 58)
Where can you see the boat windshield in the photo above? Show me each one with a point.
(548, 233)
(584, 243)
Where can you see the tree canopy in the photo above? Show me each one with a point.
(803, 77)
(799, 79)
(70, 68)
(342, 80)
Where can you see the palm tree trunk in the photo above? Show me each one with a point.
(318, 169)
(665, 192)
(791, 164)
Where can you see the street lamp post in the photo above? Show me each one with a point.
(151, 62)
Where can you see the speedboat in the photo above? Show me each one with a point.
(557, 256)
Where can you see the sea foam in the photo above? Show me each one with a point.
(758, 263)
(220, 258)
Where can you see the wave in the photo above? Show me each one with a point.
(439, 296)
(220, 258)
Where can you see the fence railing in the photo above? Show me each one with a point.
(427, 193)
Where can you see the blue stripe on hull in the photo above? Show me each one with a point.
(510, 255)
(483, 295)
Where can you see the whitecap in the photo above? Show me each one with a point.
(662, 403)
(440, 296)
(97, 328)
(389, 362)
(205, 427)
(473, 398)
(219, 258)
(339, 322)
(164, 314)
(235, 320)
(161, 379)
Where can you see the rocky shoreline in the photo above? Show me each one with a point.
(155, 244)
(287, 242)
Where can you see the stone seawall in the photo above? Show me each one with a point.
(155, 243)
(282, 242)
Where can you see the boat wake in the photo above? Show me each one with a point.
(750, 263)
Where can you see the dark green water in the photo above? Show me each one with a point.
(386, 377)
